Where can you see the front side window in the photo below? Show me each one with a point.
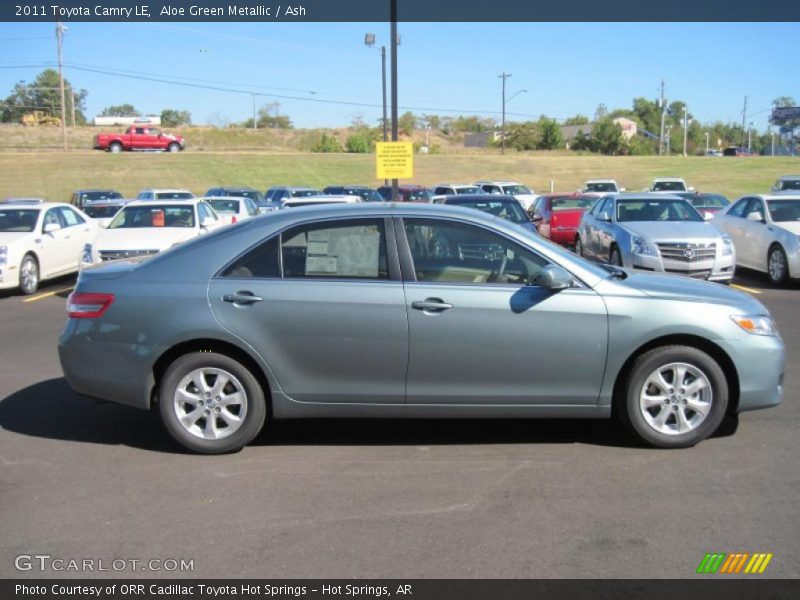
(51, 217)
(450, 252)
(784, 211)
(70, 217)
(738, 209)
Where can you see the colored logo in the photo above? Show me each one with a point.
(736, 562)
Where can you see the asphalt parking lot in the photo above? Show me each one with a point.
(494, 499)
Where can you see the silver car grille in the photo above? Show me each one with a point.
(120, 254)
(687, 252)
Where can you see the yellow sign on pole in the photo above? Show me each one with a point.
(394, 160)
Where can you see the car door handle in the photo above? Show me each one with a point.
(431, 305)
(242, 298)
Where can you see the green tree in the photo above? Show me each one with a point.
(576, 120)
(432, 121)
(407, 123)
(327, 143)
(607, 137)
(44, 93)
(551, 138)
(523, 136)
(120, 110)
(362, 141)
(175, 118)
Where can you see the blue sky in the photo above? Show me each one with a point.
(566, 68)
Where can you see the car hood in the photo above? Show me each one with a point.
(8, 238)
(142, 238)
(791, 227)
(671, 230)
(676, 287)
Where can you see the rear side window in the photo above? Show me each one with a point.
(262, 262)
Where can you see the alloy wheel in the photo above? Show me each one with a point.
(210, 403)
(676, 398)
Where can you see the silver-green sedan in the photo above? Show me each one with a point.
(410, 310)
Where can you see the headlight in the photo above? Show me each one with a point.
(3, 255)
(757, 325)
(727, 246)
(86, 257)
(639, 245)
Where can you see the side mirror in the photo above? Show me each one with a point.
(554, 278)
(604, 216)
(536, 218)
(756, 216)
(51, 227)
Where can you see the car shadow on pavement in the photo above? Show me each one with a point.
(51, 410)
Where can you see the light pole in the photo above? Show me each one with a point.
(669, 130)
(750, 138)
(369, 40)
(506, 101)
(685, 127)
(772, 135)
(706, 142)
(60, 29)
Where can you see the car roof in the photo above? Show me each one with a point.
(668, 179)
(110, 202)
(601, 181)
(84, 191)
(788, 177)
(22, 201)
(458, 199)
(454, 185)
(171, 201)
(784, 195)
(168, 190)
(644, 196)
(486, 181)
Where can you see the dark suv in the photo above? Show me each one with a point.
(80, 197)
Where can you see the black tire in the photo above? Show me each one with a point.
(174, 147)
(778, 273)
(578, 246)
(115, 147)
(255, 409)
(29, 264)
(615, 258)
(632, 414)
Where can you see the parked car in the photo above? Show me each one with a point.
(738, 151)
(320, 199)
(655, 232)
(601, 186)
(523, 193)
(103, 211)
(232, 209)
(713, 153)
(367, 194)
(406, 193)
(669, 185)
(40, 240)
(707, 204)
(410, 310)
(277, 194)
(164, 194)
(235, 192)
(147, 227)
(504, 207)
(557, 216)
(765, 229)
(141, 138)
(80, 197)
(441, 190)
(787, 183)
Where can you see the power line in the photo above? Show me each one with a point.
(21, 39)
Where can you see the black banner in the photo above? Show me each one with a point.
(410, 589)
(408, 10)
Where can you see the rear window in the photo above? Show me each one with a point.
(227, 206)
(174, 195)
(571, 202)
(101, 195)
(153, 216)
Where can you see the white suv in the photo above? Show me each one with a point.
(440, 190)
(669, 185)
(522, 193)
(164, 194)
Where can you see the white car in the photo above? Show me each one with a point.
(601, 186)
(147, 227)
(103, 211)
(40, 240)
(522, 193)
(669, 185)
(164, 194)
(765, 229)
(787, 183)
(441, 190)
(233, 209)
(297, 201)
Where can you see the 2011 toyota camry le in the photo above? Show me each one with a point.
(410, 310)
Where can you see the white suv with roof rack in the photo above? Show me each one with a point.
(522, 193)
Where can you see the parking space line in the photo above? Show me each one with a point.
(746, 289)
(48, 294)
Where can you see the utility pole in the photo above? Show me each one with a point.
(72, 95)
(504, 76)
(772, 135)
(393, 16)
(255, 123)
(60, 29)
(685, 127)
(706, 142)
(744, 118)
(669, 129)
(663, 116)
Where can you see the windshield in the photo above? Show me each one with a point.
(102, 211)
(510, 211)
(710, 201)
(512, 190)
(305, 193)
(669, 186)
(15, 220)
(417, 196)
(571, 202)
(154, 216)
(656, 210)
(601, 187)
(469, 190)
(784, 211)
(228, 206)
(790, 184)
(100, 195)
(174, 195)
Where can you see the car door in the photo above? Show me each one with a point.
(604, 231)
(592, 243)
(733, 223)
(323, 304)
(481, 334)
(757, 234)
(77, 232)
(54, 251)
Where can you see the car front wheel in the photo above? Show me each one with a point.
(675, 397)
(777, 266)
(210, 403)
(29, 275)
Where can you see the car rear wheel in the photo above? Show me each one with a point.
(675, 397)
(616, 257)
(29, 275)
(115, 147)
(210, 403)
(173, 147)
(777, 266)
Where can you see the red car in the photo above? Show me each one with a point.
(139, 137)
(557, 216)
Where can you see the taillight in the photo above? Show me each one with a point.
(88, 306)
(233, 219)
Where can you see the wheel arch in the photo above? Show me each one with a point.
(707, 346)
(209, 345)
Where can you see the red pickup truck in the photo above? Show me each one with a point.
(139, 137)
